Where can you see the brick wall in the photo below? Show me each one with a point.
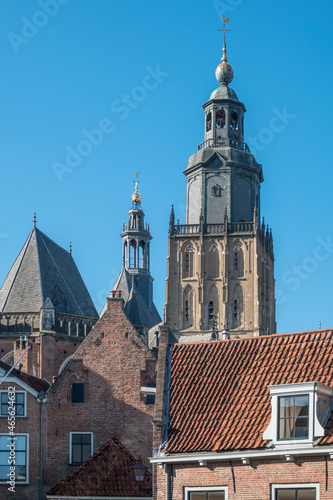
(30, 425)
(252, 482)
(112, 362)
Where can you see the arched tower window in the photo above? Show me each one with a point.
(234, 120)
(132, 256)
(213, 307)
(141, 254)
(220, 119)
(238, 257)
(213, 261)
(209, 122)
(238, 307)
(188, 307)
(188, 262)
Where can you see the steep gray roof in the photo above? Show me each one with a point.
(45, 270)
(136, 308)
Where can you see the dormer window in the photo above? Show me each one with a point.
(294, 417)
(299, 413)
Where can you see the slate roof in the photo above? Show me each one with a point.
(109, 472)
(135, 307)
(35, 383)
(45, 270)
(218, 390)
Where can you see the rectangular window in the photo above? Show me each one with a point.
(293, 417)
(80, 447)
(208, 493)
(10, 445)
(19, 403)
(77, 393)
(295, 494)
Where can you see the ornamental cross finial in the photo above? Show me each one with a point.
(225, 21)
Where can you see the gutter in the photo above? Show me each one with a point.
(245, 456)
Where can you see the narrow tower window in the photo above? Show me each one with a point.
(220, 119)
(211, 311)
(235, 311)
(209, 122)
(236, 261)
(188, 261)
(234, 120)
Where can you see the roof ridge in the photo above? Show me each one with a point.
(273, 335)
(25, 246)
(56, 265)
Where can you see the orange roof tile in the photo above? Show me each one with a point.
(218, 390)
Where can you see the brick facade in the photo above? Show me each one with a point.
(246, 482)
(113, 363)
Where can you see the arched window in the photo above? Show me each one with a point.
(132, 249)
(188, 262)
(209, 122)
(220, 119)
(188, 307)
(238, 307)
(213, 307)
(213, 261)
(141, 255)
(234, 120)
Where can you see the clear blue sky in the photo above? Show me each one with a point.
(66, 69)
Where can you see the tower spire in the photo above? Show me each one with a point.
(224, 72)
(136, 196)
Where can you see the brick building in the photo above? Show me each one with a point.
(44, 301)
(105, 391)
(29, 396)
(245, 419)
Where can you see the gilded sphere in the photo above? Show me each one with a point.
(224, 73)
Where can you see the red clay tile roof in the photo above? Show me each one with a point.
(35, 383)
(218, 390)
(108, 472)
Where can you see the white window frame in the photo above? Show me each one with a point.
(316, 428)
(25, 403)
(70, 444)
(5, 483)
(289, 486)
(190, 489)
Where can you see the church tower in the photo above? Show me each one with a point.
(135, 282)
(221, 262)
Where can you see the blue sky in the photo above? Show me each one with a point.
(68, 66)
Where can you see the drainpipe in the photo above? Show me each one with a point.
(41, 398)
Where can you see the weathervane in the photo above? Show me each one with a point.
(225, 21)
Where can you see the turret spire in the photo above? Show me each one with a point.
(136, 196)
(224, 72)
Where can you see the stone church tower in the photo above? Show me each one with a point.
(221, 262)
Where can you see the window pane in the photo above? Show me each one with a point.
(19, 410)
(4, 470)
(76, 453)
(19, 397)
(4, 409)
(3, 442)
(302, 405)
(20, 442)
(286, 407)
(76, 438)
(86, 438)
(307, 494)
(3, 457)
(286, 495)
(4, 398)
(198, 495)
(216, 495)
(285, 431)
(301, 427)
